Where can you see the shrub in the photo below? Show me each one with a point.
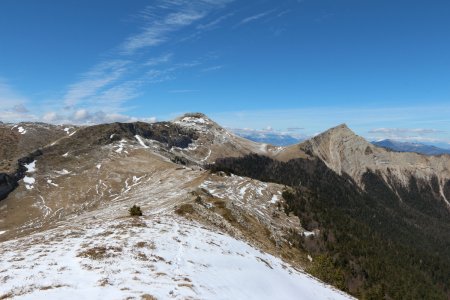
(135, 210)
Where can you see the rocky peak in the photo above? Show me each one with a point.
(337, 147)
(197, 121)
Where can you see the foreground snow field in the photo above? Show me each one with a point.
(162, 256)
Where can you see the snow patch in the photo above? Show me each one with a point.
(274, 199)
(29, 181)
(62, 172)
(22, 130)
(31, 167)
(120, 146)
(98, 166)
(51, 182)
(139, 139)
(65, 154)
(308, 233)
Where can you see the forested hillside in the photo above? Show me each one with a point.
(373, 243)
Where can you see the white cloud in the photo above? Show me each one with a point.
(81, 115)
(86, 117)
(51, 117)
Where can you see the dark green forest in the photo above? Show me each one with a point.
(384, 242)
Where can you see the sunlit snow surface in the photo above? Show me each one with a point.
(166, 257)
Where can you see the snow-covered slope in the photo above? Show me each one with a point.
(164, 257)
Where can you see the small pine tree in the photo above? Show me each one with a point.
(135, 210)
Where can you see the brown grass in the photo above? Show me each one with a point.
(148, 297)
(100, 252)
(188, 285)
(185, 209)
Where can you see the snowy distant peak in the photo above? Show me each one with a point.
(411, 147)
(268, 137)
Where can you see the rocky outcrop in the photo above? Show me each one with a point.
(8, 182)
(7, 185)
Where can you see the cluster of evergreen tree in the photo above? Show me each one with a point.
(372, 243)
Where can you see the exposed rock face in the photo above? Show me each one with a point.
(7, 185)
(171, 135)
(9, 182)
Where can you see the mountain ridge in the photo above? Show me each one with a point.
(176, 170)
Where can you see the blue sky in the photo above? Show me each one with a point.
(298, 66)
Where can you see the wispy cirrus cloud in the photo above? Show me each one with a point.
(94, 82)
(155, 61)
(182, 91)
(213, 68)
(165, 18)
(8, 96)
(102, 92)
(214, 23)
(255, 17)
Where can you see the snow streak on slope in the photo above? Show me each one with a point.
(162, 256)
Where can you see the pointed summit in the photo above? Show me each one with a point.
(341, 130)
(338, 147)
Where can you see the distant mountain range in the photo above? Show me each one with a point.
(411, 147)
(268, 137)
